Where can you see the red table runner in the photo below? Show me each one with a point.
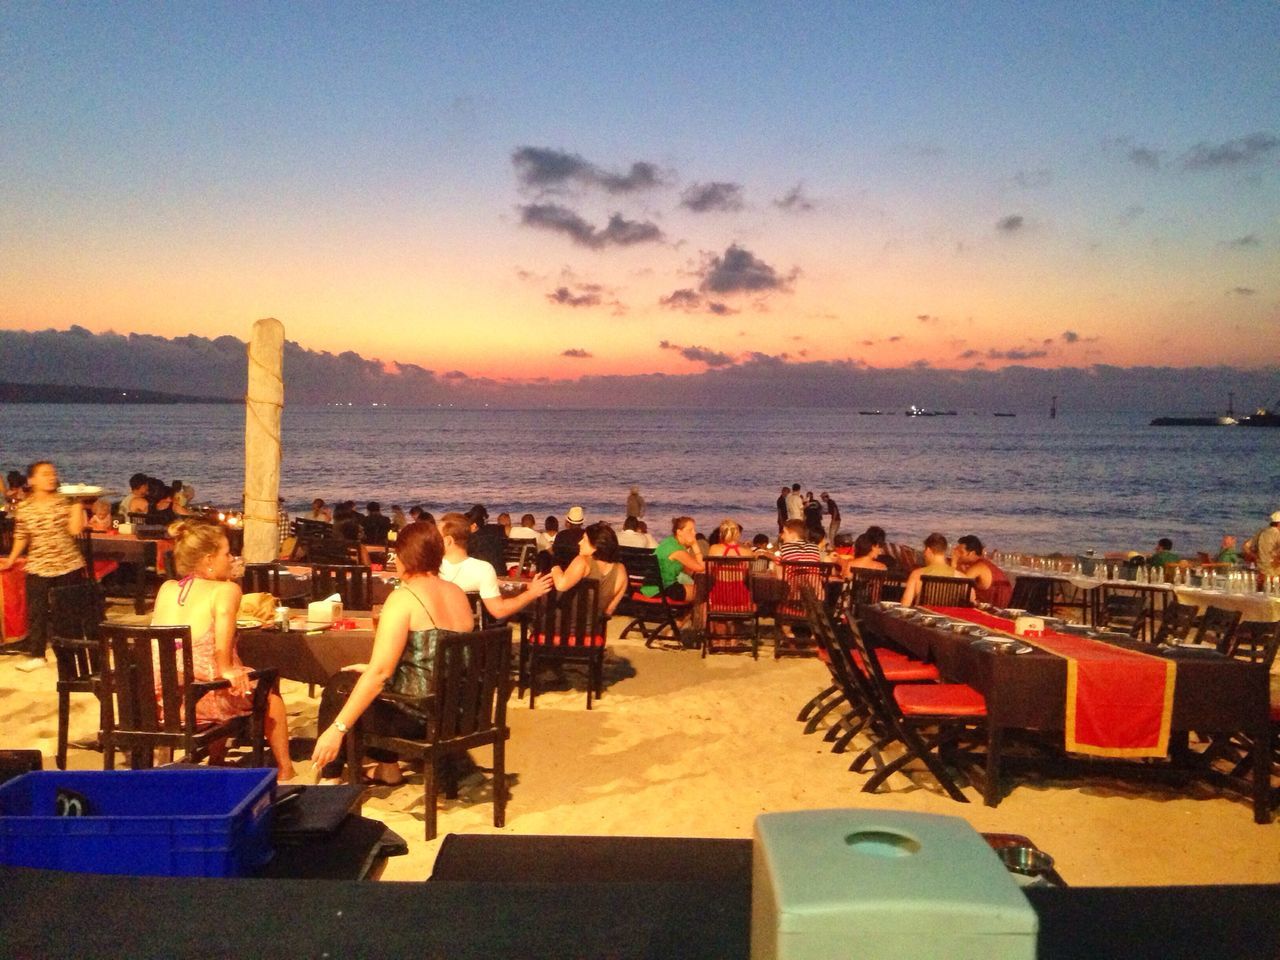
(13, 602)
(1119, 702)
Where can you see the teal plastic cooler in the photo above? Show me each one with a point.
(882, 885)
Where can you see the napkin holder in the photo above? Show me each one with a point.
(325, 611)
(125, 528)
(1029, 627)
(882, 885)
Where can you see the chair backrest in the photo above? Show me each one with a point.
(520, 554)
(729, 586)
(570, 619)
(1033, 594)
(1218, 626)
(866, 586)
(261, 578)
(641, 564)
(471, 682)
(1124, 612)
(1177, 622)
(1255, 641)
(945, 592)
(352, 582)
(329, 550)
(304, 528)
(799, 575)
(130, 656)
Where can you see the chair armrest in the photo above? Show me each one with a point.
(73, 643)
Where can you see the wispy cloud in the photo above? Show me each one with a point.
(543, 168)
(589, 296)
(715, 196)
(618, 232)
(928, 318)
(738, 270)
(796, 200)
(1070, 336)
(712, 358)
(1011, 224)
(576, 353)
(1243, 291)
(691, 301)
(1145, 157)
(1240, 243)
(1240, 152)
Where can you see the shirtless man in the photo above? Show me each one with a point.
(990, 583)
(935, 565)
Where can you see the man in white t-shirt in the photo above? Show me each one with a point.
(478, 576)
(795, 503)
(528, 531)
(631, 535)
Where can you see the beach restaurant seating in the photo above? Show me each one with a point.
(519, 558)
(74, 614)
(95, 570)
(1176, 623)
(1218, 626)
(1123, 613)
(352, 582)
(467, 708)
(566, 627)
(1034, 595)
(134, 721)
(945, 592)
(791, 611)
(652, 614)
(729, 605)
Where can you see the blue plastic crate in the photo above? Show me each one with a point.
(206, 822)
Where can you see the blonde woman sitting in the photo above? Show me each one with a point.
(206, 599)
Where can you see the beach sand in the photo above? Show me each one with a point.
(682, 746)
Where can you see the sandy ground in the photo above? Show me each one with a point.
(681, 746)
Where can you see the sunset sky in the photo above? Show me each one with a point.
(552, 190)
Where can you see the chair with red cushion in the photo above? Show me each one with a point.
(645, 601)
(798, 575)
(566, 627)
(925, 719)
(729, 604)
(945, 592)
(94, 570)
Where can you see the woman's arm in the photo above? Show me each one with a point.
(226, 604)
(690, 560)
(618, 594)
(388, 645)
(75, 518)
(567, 579)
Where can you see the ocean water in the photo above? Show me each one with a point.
(1082, 481)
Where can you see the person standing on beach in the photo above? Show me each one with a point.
(782, 508)
(47, 525)
(635, 504)
(1263, 548)
(833, 516)
(795, 503)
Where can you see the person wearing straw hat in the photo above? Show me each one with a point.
(565, 545)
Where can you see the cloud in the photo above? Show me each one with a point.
(712, 358)
(714, 196)
(542, 168)
(1131, 213)
(1011, 224)
(894, 339)
(691, 301)
(619, 232)
(576, 353)
(1231, 153)
(928, 318)
(588, 297)
(1033, 179)
(795, 200)
(1145, 157)
(738, 270)
(1243, 291)
(1070, 336)
(1016, 354)
(1248, 240)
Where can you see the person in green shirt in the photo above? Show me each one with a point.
(1228, 553)
(1164, 554)
(679, 557)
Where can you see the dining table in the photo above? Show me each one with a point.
(145, 557)
(308, 652)
(1203, 692)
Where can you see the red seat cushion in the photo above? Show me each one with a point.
(1275, 712)
(542, 640)
(657, 600)
(899, 668)
(940, 699)
(102, 568)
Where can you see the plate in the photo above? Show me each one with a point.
(79, 490)
(1001, 645)
(248, 623)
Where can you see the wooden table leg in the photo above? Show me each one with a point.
(1262, 775)
(995, 740)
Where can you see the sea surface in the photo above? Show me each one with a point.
(1100, 481)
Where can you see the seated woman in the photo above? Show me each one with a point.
(866, 554)
(412, 620)
(207, 600)
(729, 587)
(597, 559)
(320, 512)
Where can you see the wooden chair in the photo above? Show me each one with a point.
(729, 602)
(330, 551)
(1123, 613)
(1255, 641)
(74, 614)
(566, 627)
(653, 615)
(132, 719)
(1218, 626)
(1176, 623)
(791, 611)
(520, 556)
(868, 586)
(1034, 595)
(945, 592)
(352, 582)
(467, 708)
(305, 528)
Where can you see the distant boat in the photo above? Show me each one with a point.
(1006, 414)
(1194, 422)
(1262, 418)
(914, 411)
(870, 413)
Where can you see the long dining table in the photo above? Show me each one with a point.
(1211, 694)
(308, 654)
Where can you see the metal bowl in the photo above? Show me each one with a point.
(1028, 861)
